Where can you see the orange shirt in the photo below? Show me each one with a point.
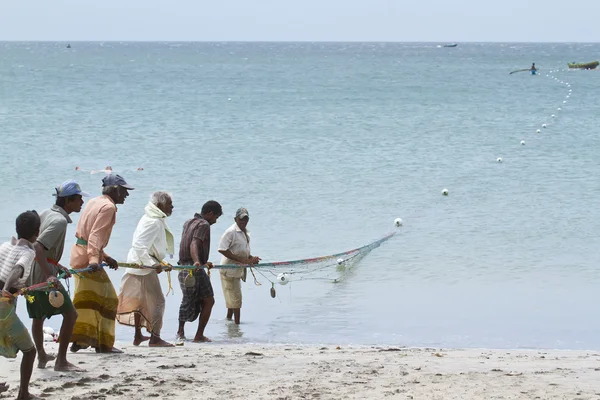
(95, 226)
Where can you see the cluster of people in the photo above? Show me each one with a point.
(89, 318)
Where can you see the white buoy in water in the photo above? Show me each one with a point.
(558, 109)
(499, 159)
(552, 115)
(229, 99)
(522, 143)
(398, 222)
(543, 125)
(445, 192)
(538, 131)
(282, 279)
(565, 102)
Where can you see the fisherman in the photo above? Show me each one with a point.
(198, 300)
(16, 262)
(49, 249)
(141, 301)
(235, 248)
(533, 68)
(95, 298)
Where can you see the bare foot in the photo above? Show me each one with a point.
(67, 367)
(158, 342)
(113, 350)
(137, 340)
(202, 339)
(75, 348)
(29, 396)
(42, 361)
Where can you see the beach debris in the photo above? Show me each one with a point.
(437, 355)
(255, 354)
(191, 365)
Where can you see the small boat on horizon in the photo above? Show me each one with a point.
(590, 65)
(68, 46)
(451, 45)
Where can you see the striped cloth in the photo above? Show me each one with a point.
(96, 302)
(16, 253)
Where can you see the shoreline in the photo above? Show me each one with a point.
(280, 371)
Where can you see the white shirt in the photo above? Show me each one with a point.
(152, 240)
(238, 243)
(14, 254)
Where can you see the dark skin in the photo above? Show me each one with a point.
(154, 340)
(209, 302)
(69, 317)
(28, 357)
(242, 223)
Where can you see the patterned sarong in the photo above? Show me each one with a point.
(96, 303)
(191, 303)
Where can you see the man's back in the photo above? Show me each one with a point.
(195, 228)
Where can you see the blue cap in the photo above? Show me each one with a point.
(115, 180)
(70, 188)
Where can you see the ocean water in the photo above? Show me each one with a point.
(326, 144)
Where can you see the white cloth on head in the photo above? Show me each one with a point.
(152, 240)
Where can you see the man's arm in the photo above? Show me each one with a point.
(16, 273)
(241, 260)
(40, 255)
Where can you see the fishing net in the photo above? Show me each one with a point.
(330, 268)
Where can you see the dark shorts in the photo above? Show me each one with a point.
(191, 303)
(41, 307)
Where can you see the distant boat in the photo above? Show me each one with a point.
(590, 65)
(68, 46)
(451, 45)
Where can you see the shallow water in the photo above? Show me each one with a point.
(326, 144)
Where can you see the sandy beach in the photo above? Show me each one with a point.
(215, 371)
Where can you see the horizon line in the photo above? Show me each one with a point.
(284, 41)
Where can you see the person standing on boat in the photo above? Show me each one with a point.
(95, 298)
(198, 299)
(141, 301)
(49, 249)
(16, 262)
(533, 68)
(235, 248)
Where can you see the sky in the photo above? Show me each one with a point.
(301, 20)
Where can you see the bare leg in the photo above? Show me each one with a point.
(138, 338)
(37, 332)
(66, 330)
(26, 371)
(236, 314)
(181, 330)
(207, 305)
(230, 313)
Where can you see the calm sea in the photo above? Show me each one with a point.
(326, 144)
